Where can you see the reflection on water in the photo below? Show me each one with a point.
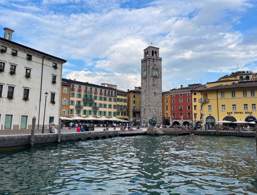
(134, 165)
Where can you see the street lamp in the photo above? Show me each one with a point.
(43, 127)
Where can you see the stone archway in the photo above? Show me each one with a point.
(230, 119)
(250, 119)
(175, 123)
(186, 123)
(198, 125)
(210, 122)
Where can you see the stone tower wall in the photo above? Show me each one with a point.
(151, 83)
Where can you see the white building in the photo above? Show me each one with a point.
(28, 79)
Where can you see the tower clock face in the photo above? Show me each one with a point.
(155, 72)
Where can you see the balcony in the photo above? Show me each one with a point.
(203, 100)
(78, 107)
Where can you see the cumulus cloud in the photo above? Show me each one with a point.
(124, 82)
(196, 38)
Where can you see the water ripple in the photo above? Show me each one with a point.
(134, 165)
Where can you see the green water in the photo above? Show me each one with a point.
(134, 165)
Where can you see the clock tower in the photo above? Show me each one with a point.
(151, 86)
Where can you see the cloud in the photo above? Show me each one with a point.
(124, 82)
(196, 38)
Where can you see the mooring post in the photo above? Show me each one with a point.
(59, 131)
(32, 136)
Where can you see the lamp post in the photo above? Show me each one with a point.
(43, 127)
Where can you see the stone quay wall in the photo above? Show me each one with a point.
(25, 139)
(7, 141)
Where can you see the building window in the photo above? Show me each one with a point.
(27, 72)
(65, 90)
(233, 93)
(245, 93)
(14, 52)
(194, 99)
(10, 92)
(188, 107)
(180, 108)
(29, 57)
(222, 94)
(234, 107)
(12, 69)
(223, 107)
(209, 108)
(53, 79)
(25, 94)
(55, 66)
(254, 107)
(2, 65)
(52, 100)
(3, 49)
(51, 120)
(195, 107)
(1, 90)
(8, 121)
(252, 93)
(24, 122)
(245, 107)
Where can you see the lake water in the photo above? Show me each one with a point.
(134, 165)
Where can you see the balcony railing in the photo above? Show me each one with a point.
(203, 100)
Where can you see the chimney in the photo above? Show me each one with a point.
(8, 33)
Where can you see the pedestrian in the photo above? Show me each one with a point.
(78, 129)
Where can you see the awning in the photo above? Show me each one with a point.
(227, 122)
(65, 118)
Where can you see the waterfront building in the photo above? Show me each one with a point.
(66, 96)
(134, 105)
(151, 83)
(230, 98)
(87, 99)
(181, 105)
(234, 102)
(30, 85)
(166, 108)
(122, 105)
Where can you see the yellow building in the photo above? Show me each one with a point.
(134, 105)
(196, 105)
(214, 101)
(229, 102)
(166, 107)
(122, 105)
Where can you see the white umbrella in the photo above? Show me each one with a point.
(65, 118)
(224, 122)
(91, 118)
(78, 118)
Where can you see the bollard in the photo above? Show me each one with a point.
(59, 131)
(32, 136)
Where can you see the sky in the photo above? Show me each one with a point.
(103, 40)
